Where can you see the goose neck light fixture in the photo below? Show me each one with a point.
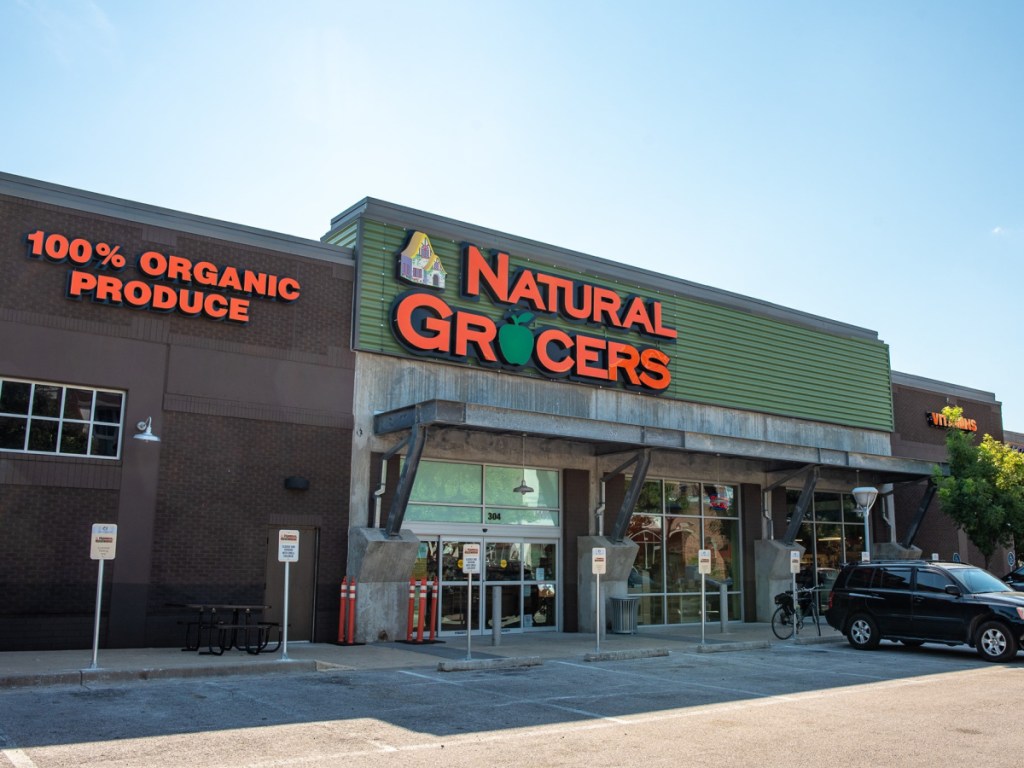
(146, 431)
(523, 488)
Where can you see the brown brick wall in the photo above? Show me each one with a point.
(228, 440)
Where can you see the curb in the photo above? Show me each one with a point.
(468, 665)
(816, 640)
(91, 676)
(643, 653)
(754, 645)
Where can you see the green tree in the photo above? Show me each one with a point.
(984, 491)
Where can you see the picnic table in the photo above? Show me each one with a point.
(221, 626)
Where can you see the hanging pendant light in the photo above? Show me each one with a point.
(523, 488)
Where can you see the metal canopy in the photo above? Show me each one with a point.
(616, 437)
(609, 437)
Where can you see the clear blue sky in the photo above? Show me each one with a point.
(861, 160)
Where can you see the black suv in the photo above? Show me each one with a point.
(921, 601)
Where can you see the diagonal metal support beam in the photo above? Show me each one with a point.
(396, 512)
(802, 505)
(922, 508)
(643, 463)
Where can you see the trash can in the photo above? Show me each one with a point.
(624, 612)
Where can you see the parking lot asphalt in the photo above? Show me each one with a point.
(74, 667)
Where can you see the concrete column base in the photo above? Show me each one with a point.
(771, 567)
(614, 583)
(382, 567)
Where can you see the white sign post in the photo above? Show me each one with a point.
(103, 547)
(794, 569)
(703, 568)
(470, 565)
(287, 553)
(598, 566)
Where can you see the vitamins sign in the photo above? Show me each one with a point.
(163, 283)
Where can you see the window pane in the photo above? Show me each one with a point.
(46, 401)
(74, 438)
(12, 433)
(108, 407)
(851, 514)
(42, 436)
(540, 561)
(104, 440)
(854, 540)
(504, 561)
(78, 404)
(827, 507)
(440, 513)
(722, 537)
(647, 570)
(682, 498)
(649, 501)
(445, 483)
(501, 483)
(720, 501)
(681, 548)
(14, 396)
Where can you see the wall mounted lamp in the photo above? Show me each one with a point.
(146, 431)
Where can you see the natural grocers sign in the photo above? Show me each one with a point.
(510, 334)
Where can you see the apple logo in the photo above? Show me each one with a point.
(515, 339)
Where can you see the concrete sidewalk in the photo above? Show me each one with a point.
(31, 668)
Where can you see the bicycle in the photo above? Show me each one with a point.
(785, 617)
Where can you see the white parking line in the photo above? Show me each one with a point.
(13, 755)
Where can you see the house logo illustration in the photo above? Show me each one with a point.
(419, 264)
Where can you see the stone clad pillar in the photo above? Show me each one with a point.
(382, 566)
(614, 583)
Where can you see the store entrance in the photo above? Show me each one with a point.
(517, 586)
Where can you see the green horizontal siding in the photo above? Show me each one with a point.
(722, 356)
(346, 237)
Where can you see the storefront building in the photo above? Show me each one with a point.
(540, 403)
(406, 387)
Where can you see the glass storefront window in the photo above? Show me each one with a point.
(452, 492)
(673, 521)
(442, 513)
(646, 531)
(720, 500)
(682, 498)
(500, 483)
(832, 534)
(447, 483)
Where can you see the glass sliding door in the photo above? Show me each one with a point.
(519, 581)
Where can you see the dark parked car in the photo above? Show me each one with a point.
(1015, 579)
(920, 601)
